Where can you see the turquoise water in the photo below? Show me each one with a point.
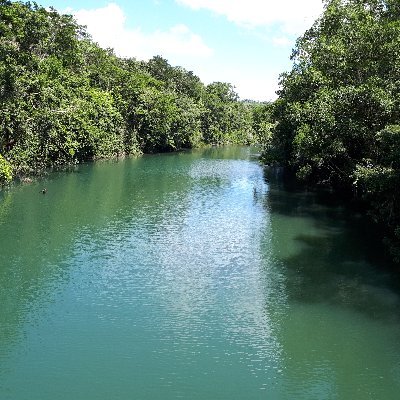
(194, 276)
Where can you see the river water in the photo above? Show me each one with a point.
(190, 276)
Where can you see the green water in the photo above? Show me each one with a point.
(190, 276)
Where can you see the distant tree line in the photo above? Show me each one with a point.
(337, 118)
(64, 99)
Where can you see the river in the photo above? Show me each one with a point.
(191, 275)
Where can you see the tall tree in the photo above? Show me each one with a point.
(338, 109)
(63, 99)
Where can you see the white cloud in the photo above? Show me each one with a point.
(180, 46)
(107, 27)
(293, 16)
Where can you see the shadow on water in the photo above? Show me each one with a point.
(331, 253)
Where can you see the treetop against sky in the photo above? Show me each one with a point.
(245, 42)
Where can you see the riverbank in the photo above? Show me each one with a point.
(337, 123)
(66, 100)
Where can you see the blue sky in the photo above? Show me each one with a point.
(244, 42)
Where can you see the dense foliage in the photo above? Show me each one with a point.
(63, 99)
(338, 112)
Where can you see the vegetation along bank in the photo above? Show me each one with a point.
(65, 100)
(336, 122)
(338, 112)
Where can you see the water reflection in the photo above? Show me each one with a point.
(187, 275)
(343, 304)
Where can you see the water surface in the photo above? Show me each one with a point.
(190, 276)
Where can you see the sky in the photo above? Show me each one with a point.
(244, 42)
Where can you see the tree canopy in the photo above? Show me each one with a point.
(338, 112)
(64, 99)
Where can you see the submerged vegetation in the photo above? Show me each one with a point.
(338, 112)
(64, 100)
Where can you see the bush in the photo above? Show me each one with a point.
(5, 170)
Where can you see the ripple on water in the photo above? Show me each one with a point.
(185, 282)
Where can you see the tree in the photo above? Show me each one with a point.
(65, 100)
(338, 108)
